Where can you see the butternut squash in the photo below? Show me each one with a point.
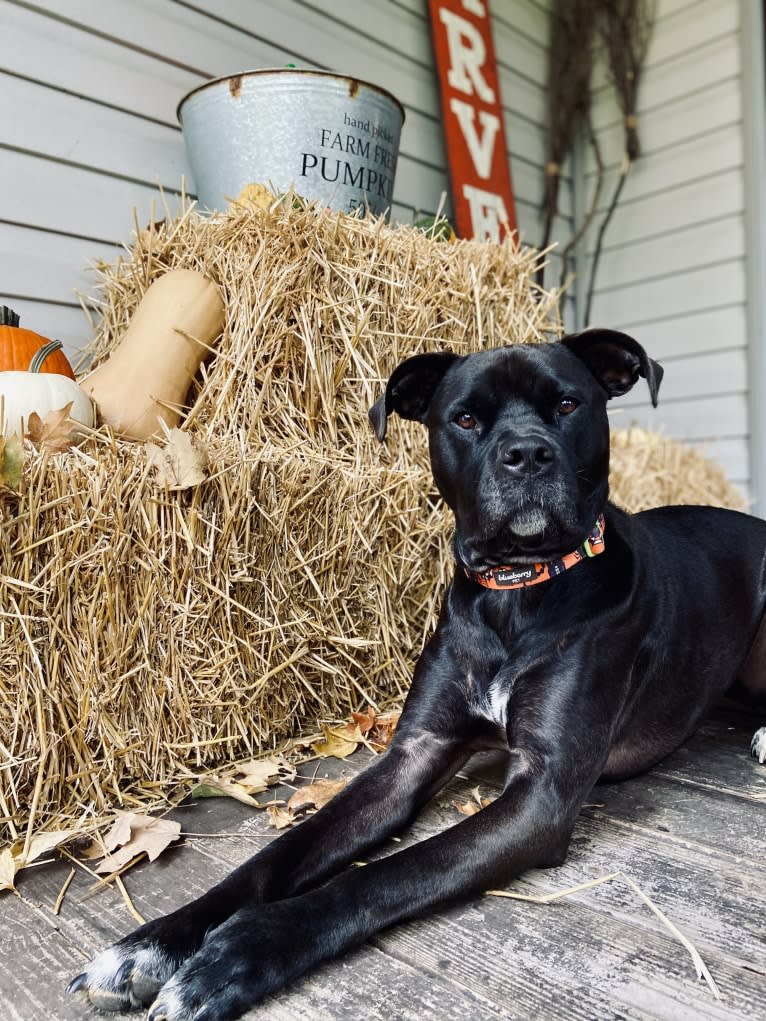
(147, 377)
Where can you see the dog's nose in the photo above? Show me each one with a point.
(527, 455)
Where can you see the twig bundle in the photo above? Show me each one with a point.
(626, 30)
(146, 633)
(570, 58)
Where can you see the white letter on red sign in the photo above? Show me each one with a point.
(488, 213)
(467, 54)
(482, 149)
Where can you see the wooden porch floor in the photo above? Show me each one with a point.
(691, 834)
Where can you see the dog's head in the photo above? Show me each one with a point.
(519, 438)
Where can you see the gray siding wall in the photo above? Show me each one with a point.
(89, 90)
(672, 271)
(88, 94)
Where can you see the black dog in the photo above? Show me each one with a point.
(586, 641)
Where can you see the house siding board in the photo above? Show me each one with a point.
(42, 266)
(672, 269)
(695, 247)
(42, 120)
(73, 199)
(698, 332)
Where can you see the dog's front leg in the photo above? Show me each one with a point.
(259, 950)
(378, 803)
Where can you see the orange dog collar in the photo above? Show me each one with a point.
(524, 575)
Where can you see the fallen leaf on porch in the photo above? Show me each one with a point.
(13, 859)
(133, 835)
(305, 801)
(181, 463)
(220, 787)
(314, 796)
(56, 432)
(7, 869)
(11, 465)
(245, 780)
(383, 731)
(278, 817)
(364, 721)
(475, 805)
(259, 774)
(467, 808)
(336, 742)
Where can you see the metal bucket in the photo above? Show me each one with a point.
(330, 138)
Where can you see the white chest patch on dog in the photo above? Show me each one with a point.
(758, 745)
(493, 705)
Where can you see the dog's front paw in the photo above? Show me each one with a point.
(251, 955)
(124, 976)
(131, 972)
(758, 745)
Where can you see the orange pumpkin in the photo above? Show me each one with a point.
(18, 347)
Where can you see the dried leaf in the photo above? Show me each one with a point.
(364, 721)
(11, 465)
(133, 835)
(381, 734)
(56, 432)
(260, 774)
(220, 787)
(246, 779)
(475, 805)
(93, 850)
(278, 817)
(336, 742)
(8, 869)
(257, 195)
(42, 843)
(181, 463)
(306, 800)
(314, 796)
(13, 859)
(467, 808)
(120, 832)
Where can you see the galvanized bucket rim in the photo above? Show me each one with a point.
(296, 71)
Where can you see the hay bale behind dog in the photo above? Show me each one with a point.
(147, 632)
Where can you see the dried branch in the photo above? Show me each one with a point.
(625, 29)
(570, 61)
(591, 214)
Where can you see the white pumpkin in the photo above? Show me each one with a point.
(21, 393)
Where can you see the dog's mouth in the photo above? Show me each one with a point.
(529, 534)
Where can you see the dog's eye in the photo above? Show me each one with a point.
(567, 405)
(465, 420)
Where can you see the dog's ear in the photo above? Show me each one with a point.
(616, 360)
(410, 389)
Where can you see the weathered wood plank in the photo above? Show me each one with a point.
(698, 852)
(367, 982)
(554, 961)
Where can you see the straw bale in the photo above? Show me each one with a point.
(649, 470)
(146, 633)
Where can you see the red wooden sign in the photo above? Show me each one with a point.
(473, 118)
